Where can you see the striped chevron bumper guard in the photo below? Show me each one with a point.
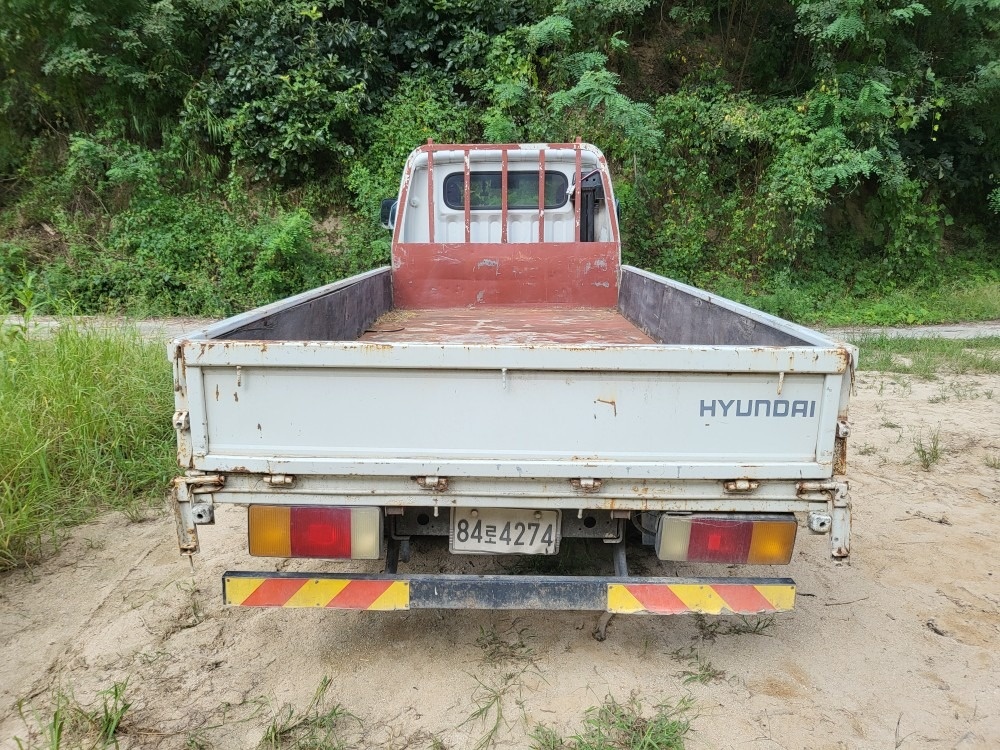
(661, 596)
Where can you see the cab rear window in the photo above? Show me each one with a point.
(522, 190)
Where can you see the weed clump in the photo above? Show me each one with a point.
(506, 661)
(927, 450)
(70, 723)
(626, 725)
(319, 725)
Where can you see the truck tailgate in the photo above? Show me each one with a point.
(637, 411)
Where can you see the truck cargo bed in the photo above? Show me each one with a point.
(673, 384)
(548, 324)
(651, 310)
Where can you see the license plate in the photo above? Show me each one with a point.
(505, 531)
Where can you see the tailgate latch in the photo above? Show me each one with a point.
(587, 484)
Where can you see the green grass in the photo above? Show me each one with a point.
(699, 668)
(710, 629)
(59, 721)
(828, 302)
(319, 727)
(68, 723)
(85, 428)
(927, 451)
(947, 304)
(506, 661)
(928, 357)
(622, 726)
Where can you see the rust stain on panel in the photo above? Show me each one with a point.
(840, 455)
(843, 360)
(610, 402)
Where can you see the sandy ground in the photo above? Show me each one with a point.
(900, 648)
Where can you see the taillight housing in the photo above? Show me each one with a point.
(333, 533)
(727, 538)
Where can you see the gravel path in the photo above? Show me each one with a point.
(946, 331)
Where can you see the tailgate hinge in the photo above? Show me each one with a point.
(740, 486)
(202, 484)
(838, 492)
(435, 484)
(838, 520)
(587, 484)
(190, 510)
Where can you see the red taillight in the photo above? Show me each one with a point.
(719, 540)
(315, 531)
(321, 532)
(756, 540)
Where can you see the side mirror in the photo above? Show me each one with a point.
(387, 214)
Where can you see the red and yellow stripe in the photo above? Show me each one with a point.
(710, 597)
(323, 593)
(714, 599)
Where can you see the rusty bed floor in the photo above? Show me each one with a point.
(507, 325)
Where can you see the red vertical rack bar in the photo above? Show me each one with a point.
(541, 196)
(577, 189)
(468, 198)
(430, 190)
(503, 196)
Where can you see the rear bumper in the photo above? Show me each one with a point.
(665, 596)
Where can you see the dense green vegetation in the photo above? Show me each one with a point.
(83, 430)
(831, 160)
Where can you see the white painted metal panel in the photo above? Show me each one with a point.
(463, 422)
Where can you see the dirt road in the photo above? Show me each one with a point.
(167, 328)
(898, 649)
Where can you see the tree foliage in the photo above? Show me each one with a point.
(203, 155)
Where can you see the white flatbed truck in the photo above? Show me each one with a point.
(507, 384)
